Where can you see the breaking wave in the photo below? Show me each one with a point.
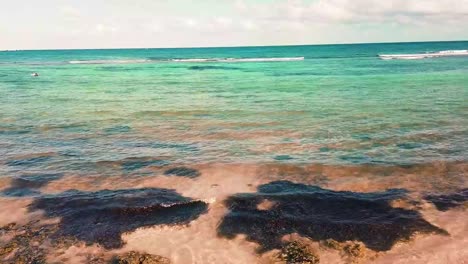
(418, 56)
(187, 60)
(106, 61)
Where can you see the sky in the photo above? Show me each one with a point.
(72, 24)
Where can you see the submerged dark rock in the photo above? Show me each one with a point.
(283, 157)
(131, 164)
(182, 172)
(29, 162)
(321, 214)
(27, 185)
(101, 217)
(445, 202)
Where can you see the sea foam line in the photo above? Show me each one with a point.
(193, 60)
(107, 61)
(418, 56)
(240, 59)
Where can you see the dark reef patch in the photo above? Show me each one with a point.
(117, 130)
(212, 67)
(29, 162)
(101, 217)
(321, 214)
(182, 172)
(26, 185)
(132, 164)
(356, 159)
(127, 165)
(445, 202)
(14, 132)
(325, 149)
(283, 157)
(409, 145)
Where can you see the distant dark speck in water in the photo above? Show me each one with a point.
(321, 214)
(356, 159)
(26, 185)
(117, 69)
(283, 157)
(295, 74)
(101, 217)
(445, 202)
(117, 129)
(409, 145)
(324, 149)
(182, 172)
(362, 137)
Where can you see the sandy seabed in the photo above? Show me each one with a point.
(190, 223)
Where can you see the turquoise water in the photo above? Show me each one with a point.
(341, 104)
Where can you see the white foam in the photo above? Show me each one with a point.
(193, 60)
(418, 56)
(107, 61)
(240, 59)
(264, 59)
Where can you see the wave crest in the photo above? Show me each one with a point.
(188, 60)
(106, 61)
(444, 53)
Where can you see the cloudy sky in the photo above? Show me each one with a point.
(49, 24)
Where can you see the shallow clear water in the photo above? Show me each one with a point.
(339, 105)
(208, 124)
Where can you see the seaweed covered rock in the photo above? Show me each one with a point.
(134, 257)
(101, 217)
(331, 243)
(445, 202)
(8, 227)
(25, 245)
(350, 248)
(320, 214)
(297, 253)
(355, 251)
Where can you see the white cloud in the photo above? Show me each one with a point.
(70, 11)
(164, 23)
(105, 28)
(358, 11)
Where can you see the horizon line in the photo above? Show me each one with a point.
(241, 46)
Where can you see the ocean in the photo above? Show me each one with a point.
(223, 155)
